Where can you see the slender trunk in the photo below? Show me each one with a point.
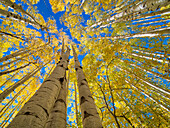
(28, 53)
(36, 111)
(154, 49)
(89, 112)
(5, 93)
(57, 116)
(149, 96)
(150, 56)
(77, 119)
(67, 86)
(127, 13)
(16, 16)
(154, 33)
(19, 9)
(6, 64)
(167, 78)
(6, 107)
(147, 70)
(150, 107)
(148, 64)
(9, 79)
(12, 35)
(15, 54)
(6, 72)
(22, 51)
(145, 80)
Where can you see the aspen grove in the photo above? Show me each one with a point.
(84, 63)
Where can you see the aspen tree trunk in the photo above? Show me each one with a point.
(6, 107)
(89, 112)
(67, 86)
(12, 35)
(16, 16)
(9, 79)
(36, 111)
(6, 120)
(21, 53)
(15, 54)
(10, 89)
(17, 59)
(19, 9)
(57, 116)
(77, 121)
(27, 53)
(21, 67)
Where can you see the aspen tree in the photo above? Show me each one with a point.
(89, 112)
(77, 119)
(10, 89)
(36, 111)
(57, 116)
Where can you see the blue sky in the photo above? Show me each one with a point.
(45, 9)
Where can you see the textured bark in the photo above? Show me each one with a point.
(89, 112)
(57, 116)
(36, 111)
(18, 106)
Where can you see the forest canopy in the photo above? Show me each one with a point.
(123, 47)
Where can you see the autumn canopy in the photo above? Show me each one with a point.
(84, 63)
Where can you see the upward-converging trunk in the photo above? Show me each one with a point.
(36, 111)
(57, 116)
(89, 113)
